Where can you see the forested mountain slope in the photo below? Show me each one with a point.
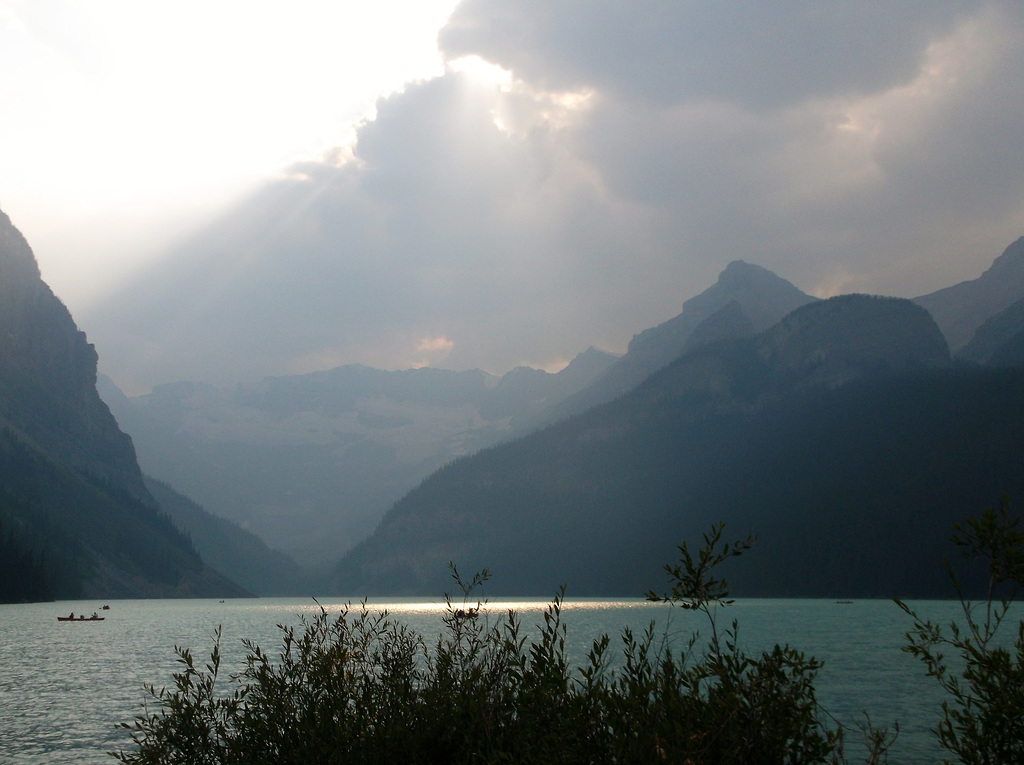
(239, 554)
(842, 436)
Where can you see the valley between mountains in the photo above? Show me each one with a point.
(847, 434)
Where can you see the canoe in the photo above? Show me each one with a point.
(81, 619)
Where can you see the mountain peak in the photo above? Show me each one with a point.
(961, 309)
(764, 296)
(1010, 262)
(588, 359)
(17, 263)
(742, 272)
(745, 300)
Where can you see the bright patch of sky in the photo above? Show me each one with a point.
(143, 117)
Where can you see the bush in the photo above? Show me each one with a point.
(983, 717)
(358, 687)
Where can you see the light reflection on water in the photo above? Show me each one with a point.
(64, 687)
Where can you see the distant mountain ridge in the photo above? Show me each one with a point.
(745, 300)
(71, 492)
(599, 500)
(999, 340)
(311, 462)
(826, 424)
(961, 309)
(347, 443)
(824, 344)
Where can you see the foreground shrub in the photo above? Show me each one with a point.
(731, 707)
(983, 716)
(358, 687)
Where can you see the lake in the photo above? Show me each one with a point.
(64, 686)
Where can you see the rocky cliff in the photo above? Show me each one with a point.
(71, 492)
(48, 374)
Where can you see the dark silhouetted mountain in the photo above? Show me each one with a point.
(24, 575)
(851, 337)
(746, 299)
(842, 436)
(961, 309)
(48, 379)
(312, 462)
(238, 554)
(71, 491)
(999, 341)
(524, 393)
(1010, 353)
(581, 372)
(728, 322)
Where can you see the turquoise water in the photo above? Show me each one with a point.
(64, 687)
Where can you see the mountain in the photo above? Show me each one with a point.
(1000, 340)
(850, 337)
(745, 300)
(238, 554)
(843, 436)
(72, 497)
(961, 309)
(48, 378)
(312, 462)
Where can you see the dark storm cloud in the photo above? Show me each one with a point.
(739, 122)
(671, 51)
(636, 150)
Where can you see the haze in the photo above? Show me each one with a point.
(224, 191)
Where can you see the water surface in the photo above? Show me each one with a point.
(64, 687)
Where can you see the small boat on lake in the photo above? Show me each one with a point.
(81, 618)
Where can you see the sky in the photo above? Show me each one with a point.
(221, 191)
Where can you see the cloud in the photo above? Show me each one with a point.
(759, 55)
(435, 344)
(613, 159)
(433, 351)
(815, 138)
(443, 224)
